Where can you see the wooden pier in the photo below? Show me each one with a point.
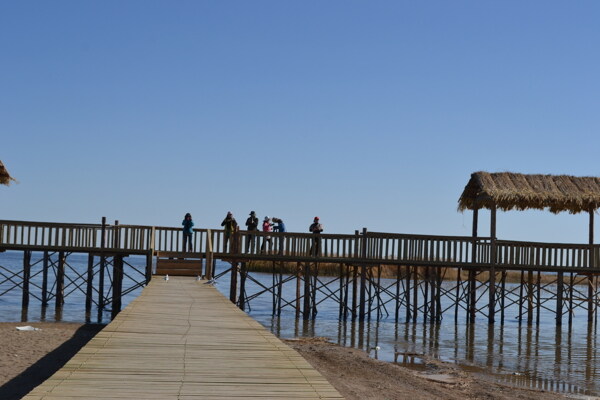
(181, 339)
(480, 266)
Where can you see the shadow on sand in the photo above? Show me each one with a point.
(24, 383)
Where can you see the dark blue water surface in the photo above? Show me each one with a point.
(544, 356)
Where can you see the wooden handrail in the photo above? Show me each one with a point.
(370, 247)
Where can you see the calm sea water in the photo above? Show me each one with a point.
(543, 356)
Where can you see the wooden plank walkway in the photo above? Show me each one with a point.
(182, 339)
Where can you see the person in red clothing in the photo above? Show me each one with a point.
(267, 226)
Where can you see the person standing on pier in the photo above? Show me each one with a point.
(316, 228)
(188, 232)
(266, 227)
(252, 225)
(280, 227)
(229, 224)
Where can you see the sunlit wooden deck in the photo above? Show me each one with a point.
(181, 339)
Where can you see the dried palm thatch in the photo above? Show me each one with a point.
(5, 177)
(511, 191)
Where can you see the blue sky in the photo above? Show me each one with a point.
(367, 114)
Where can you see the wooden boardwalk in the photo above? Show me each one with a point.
(182, 339)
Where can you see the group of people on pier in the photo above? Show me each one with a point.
(230, 226)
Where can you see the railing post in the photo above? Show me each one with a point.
(209, 255)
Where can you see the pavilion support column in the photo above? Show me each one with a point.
(492, 278)
(471, 285)
(591, 277)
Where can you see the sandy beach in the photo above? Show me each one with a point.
(30, 357)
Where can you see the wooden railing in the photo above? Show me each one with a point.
(360, 247)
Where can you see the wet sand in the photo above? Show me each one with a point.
(29, 357)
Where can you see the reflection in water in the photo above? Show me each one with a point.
(543, 356)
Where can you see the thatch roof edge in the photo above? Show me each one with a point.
(5, 177)
(514, 191)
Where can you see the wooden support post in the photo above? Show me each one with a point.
(210, 266)
(307, 296)
(559, 298)
(298, 287)
(398, 279)
(89, 283)
(415, 303)
(243, 273)
(458, 286)
(274, 284)
(102, 265)
(472, 299)
(279, 288)
(363, 293)
(26, 278)
(521, 298)
(117, 289)
(363, 277)
(426, 302)
(407, 293)
(538, 300)
(503, 296)
(60, 280)
(354, 291)
(492, 277)
(529, 297)
(233, 282)
(571, 284)
(314, 278)
(149, 258)
(341, 292)
(346, 289)
(45, 265)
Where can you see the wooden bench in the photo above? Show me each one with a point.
(179, 264)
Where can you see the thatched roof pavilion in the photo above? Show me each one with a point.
(5, 177)
(511, 191)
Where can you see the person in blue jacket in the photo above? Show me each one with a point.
(279, 227)
(188, 231)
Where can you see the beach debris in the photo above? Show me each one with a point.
(441, 378)
(27, 328)
(377, 348)
(198, 278)
(166, 278)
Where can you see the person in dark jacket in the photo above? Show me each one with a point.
(316, 228)
(188, 232)
(230, 225)
(279, 227)
(251, 225)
